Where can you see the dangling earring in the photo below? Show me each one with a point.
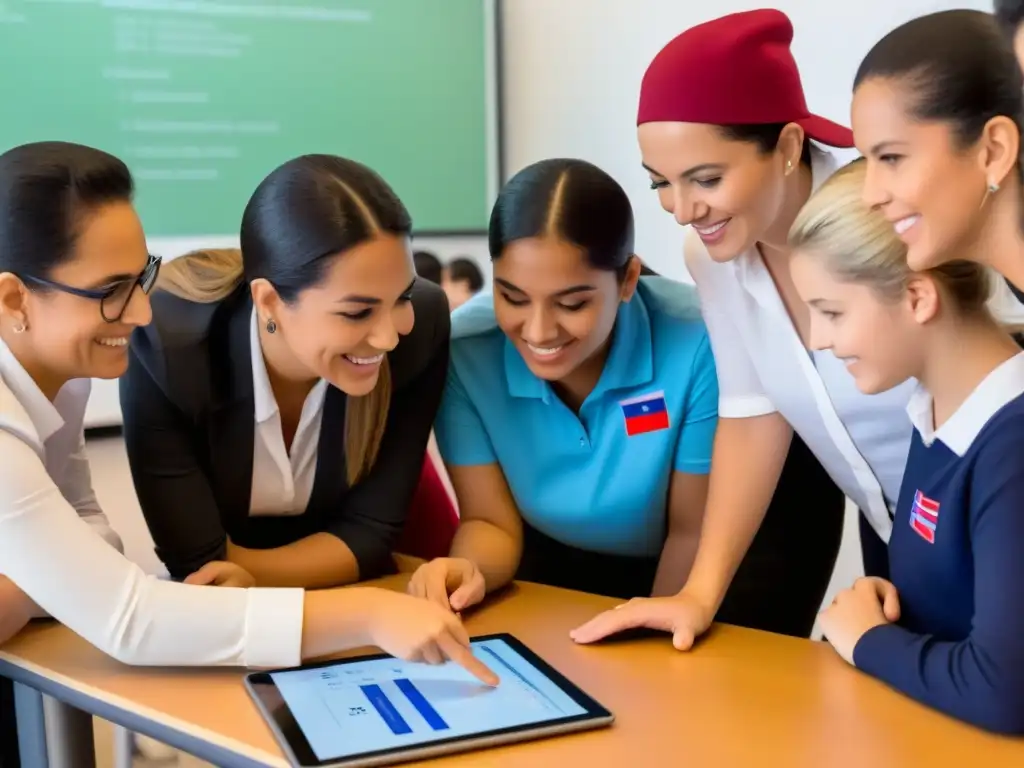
(271, 326)
(991, 189)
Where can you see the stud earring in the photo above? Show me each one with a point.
(993, 187)
(19, 328)
(789, 167)
(271, 326)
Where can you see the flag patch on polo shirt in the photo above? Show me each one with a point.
(924, 517)
(647, 413)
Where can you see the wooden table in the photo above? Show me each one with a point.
(741, 698)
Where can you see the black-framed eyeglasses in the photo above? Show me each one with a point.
(113, 298)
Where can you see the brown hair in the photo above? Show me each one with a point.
(211, 275)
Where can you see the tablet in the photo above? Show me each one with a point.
(378, 710)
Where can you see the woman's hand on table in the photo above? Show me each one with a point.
(682, 615)
(221, 573)
(871, 602)
(420, 630)
(453, 583)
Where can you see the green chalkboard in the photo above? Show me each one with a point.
(202, 98)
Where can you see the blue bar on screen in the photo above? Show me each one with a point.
(386, 709)
(418, 700)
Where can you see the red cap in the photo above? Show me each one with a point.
(735, 70)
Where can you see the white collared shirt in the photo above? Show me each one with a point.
(49, 548)
(282, 480)
(763, 367)
(1002, 385)
(59, 439)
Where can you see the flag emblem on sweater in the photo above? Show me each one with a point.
(647, 413)
(924, 517)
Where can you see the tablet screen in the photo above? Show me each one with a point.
(365, 706)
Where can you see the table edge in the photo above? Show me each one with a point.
(197, 741)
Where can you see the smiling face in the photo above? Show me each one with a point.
(66, 336)
(729, 190)
(879, 339)
(340, 329)
(931, 189)
(557, 309)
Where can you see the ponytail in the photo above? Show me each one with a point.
(365, 420)
(211, 275)
(203, 276)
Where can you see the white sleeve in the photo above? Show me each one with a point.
(76, 486)
(740, 393)
(80, 580)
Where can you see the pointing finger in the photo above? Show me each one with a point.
(465, 659)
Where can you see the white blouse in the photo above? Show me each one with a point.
(763, 367)
(282, 480)
(49, 519)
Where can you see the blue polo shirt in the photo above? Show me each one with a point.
(583, 479)
(957, 560)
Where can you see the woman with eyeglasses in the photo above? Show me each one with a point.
(74, 280)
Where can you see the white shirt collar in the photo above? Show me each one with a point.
(264, 402)
(997, 389)
(44, 415)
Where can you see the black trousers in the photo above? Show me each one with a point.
(874, 551)
(779, 585)
(8, 727)
(781, 582)
(547, 561)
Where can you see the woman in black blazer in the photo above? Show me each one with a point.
(277, 410)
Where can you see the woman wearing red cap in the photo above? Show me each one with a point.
(729, 153)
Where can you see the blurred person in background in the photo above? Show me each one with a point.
(461, 280)
(427, 266)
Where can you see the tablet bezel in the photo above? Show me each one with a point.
(289, 735)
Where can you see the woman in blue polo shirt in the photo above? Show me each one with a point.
(581, 404)
(946, 630)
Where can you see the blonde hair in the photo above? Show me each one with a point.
(857, 244)
(203, 276)
(212, 274)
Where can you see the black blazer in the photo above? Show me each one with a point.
(189, 425)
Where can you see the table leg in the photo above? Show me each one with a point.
(28, 704)
(124, 747)
(69, 736)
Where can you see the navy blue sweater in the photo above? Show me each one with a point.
(957, 561)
